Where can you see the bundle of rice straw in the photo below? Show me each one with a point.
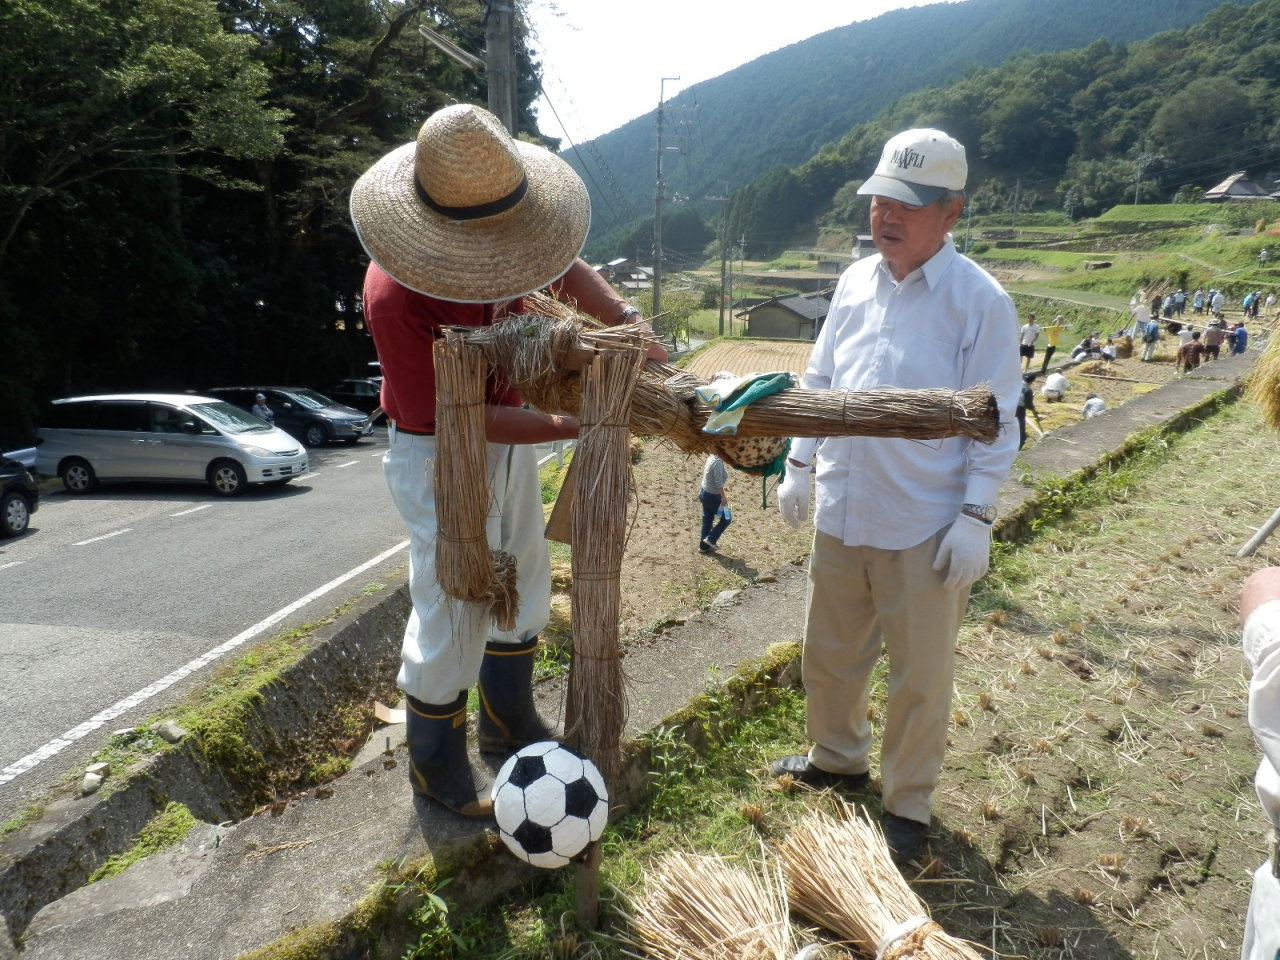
(541, 355)
(466, 567)
(705, 907)
(597, 701)
(841, 876)
(1264, 383)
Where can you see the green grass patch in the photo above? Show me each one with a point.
(27, 815)
(551, 477)
(165, 829)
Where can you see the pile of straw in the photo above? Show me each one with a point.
(602, 462)
(1264, 383)
(841, 876)
(705, 907)
(540, 356)
(466, 567)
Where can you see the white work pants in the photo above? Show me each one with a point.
(1262, 925)
(444, 640)
(859, 597)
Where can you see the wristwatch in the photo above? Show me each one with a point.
(986, 512)
(628, 312)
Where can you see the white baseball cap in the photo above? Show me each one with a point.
(917, 167)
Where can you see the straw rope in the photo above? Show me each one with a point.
(706, 907)
(841, 876)
(599, 522)
(466, 567)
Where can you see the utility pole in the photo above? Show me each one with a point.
(658, 197)
(724, 246)
(500, 62)
(1017, 189)
(967, 224)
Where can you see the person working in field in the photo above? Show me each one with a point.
(458, 226)
(903, 527)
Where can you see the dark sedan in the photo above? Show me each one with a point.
(311, 417)
(19, 498)
(363, 393)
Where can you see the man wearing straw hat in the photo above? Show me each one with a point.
(903, 527)
(459, 225)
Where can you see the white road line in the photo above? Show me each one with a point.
(183, 513)
(58, 744)
(378, 454)
(11, 563)
(349, 463)
(105, 536)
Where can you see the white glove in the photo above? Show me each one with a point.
(793, 495)
(965, 552)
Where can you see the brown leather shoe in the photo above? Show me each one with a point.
(798, 767)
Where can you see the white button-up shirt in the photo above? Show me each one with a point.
(949, 325)
(1262, 651)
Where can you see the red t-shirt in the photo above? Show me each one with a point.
(405, 325)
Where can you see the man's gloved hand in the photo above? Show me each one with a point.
(965, 551)
(793, 495)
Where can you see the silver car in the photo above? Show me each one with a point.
(163, 436)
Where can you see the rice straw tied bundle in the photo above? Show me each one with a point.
(541, 356)
(841, 876)
(599, 514)
(697, 906)
(1264, 383)
(466, 567)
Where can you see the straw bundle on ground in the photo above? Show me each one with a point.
(597, 702)
(541, 355)
(467, 569)
(1264, 383)
(705, 907)
(841, 876)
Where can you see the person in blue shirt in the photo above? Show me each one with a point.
(1239, 339)
(1150, 337)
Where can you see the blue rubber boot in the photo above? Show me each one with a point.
(438, 764)
(508, 718)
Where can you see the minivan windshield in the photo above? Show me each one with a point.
(310, 399)
(230, 419)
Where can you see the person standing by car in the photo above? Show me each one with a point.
(260, 408)
(459, 225)
(902, 528)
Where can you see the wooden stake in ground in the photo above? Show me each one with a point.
(597, 703)
(841, 876)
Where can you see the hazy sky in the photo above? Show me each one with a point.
(603, 60)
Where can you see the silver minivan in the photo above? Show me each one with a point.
(163, 436)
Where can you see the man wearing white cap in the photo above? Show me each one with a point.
(459, 225)
(903, 527)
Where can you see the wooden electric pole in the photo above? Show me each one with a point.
(724, 247)
(658, 197)
(500, 62)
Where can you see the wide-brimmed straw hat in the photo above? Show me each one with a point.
(468, 214)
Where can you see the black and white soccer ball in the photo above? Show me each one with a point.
(550, 804)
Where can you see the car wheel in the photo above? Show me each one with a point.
(315, 435)
(15, 514)
(227, 478)
(78, 477)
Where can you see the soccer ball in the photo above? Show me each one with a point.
(550, 804)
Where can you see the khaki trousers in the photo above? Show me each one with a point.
(859, 597)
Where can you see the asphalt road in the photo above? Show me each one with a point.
(108, 593)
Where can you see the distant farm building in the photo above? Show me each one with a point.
(1238, 186)
(793, 317)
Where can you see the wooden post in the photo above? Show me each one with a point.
(1256, 540)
